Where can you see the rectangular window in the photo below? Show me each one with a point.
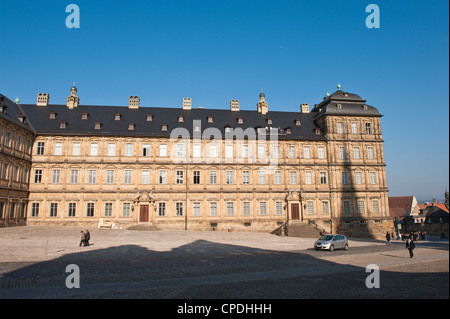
(325, 207)
(74, 176)
(354, 128)
(55, 176)
(340, 128)
(246, 208)
(277, 177)
(361, 209)
(126, 209)
(323, 178)
(293, 175)
(90, 210)
(346, 207)
(108, 209)
(180, 150)
(279, 208)
(261, 177)
(179, 209)
(146, 150)
(213, 209)
(244, 151)
(145, 176)
(321, 152)
(261, 151)
(34, 209)
(196, 208)
(92, 176)
(356, 153)
(291, 151)
(373, 178)
(308, 177)
(162, 209)
(368, 128)
(245, 177)
(163, 150)
(72, 209)
(342, 153)
(229, 151)
(53, 209)
(127, 176)
(109, 177)
(128, 149)
(196, 177)
(162, 177)
(230, 208)
(94, 149)
(310, 207)
(111, 149)
(358, 178)
(58, 148)
(375, 206)
(276, 151)
(76, 148)
(38, 176)
(179, 177)
(197, 150)
(212, 150)
(306, 152)
(230, 178)
(370, 154)
(344, 178)
(262, 208)
(40, 148)
(213, 177)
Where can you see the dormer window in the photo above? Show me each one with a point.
(97, 125)
(196, 128)
(339, 106)
(317, 131)
(52, 115)
(240, 120)
(131, 127)
(288, 130)
(269, 121)
(164, 127)
(298, 122)
(227, 129)
(117, 117)
(210, 119)
(22, 118)
(149, 118)
(3, 109)
(180, 118)
(365, 107)
(84, 116)
(63, 124)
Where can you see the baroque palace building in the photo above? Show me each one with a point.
(194, 168)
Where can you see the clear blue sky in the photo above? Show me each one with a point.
(214, 51)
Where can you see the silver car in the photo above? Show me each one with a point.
(331, 242)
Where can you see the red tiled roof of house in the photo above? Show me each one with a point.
(400, 206)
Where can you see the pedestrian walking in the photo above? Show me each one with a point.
(388, 238)
(410, 246)
(83, 239)
(88, 237)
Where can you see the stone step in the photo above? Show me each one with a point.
(303, 229)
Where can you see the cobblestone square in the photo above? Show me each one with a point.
(166, 264)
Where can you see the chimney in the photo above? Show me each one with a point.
(234, 105)
(187, 103)
(133, 102)
(43, 99)
(304, 108)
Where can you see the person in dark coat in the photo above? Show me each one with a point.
(388, 238)
(410, 246)
(88, 237)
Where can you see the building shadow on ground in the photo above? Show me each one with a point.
(205, 269)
